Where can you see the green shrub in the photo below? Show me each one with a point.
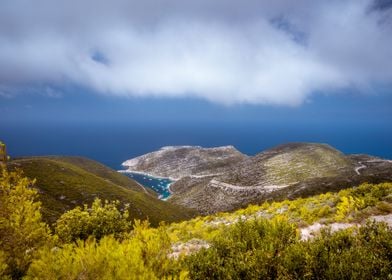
(143, 254)
(271, 250)
(3, 266)
(99, 220)
(363, 253)
(22, 232)
(106, 259)
(249, 250)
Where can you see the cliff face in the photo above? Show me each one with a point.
(223, 179)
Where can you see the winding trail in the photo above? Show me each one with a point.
(362, 165)
(226, 186)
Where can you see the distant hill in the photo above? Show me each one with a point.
(289, 164)
(180, 161)
(226, 180)
(67, 182)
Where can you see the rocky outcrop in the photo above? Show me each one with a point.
(179, 161)
(223, 179)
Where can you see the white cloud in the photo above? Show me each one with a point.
(223, 51)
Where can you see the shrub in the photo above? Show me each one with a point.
(3, 266)
(22, 232)
(249, 250)
(271, 250)
(90, 259)
(99, 220)
(143, 254)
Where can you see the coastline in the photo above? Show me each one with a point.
(170, 191)
(147, 174)
(159, 196)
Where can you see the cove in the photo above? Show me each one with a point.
(159, 185)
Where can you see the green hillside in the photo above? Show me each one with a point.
(341, 235)
(292, 170)
(350, 206)
(67, 182)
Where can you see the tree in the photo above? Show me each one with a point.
(107, 258)
(22, 231)
(3, 153)
(99, 220)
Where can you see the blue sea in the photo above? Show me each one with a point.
(113, 143)
(160, 185)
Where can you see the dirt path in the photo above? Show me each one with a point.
(362, 165)
(226, 186)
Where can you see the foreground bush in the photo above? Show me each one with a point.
(360, 253)
(98, 242)
(142, 255)
(22, 232)
(106, 259)
(99, 220)
(249, 250)
(271, 250)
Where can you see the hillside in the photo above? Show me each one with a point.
(339, 235)
(288, 164)
(351, 207)
(291, 170)
(67, 182)
(329, 236)
(181, 161)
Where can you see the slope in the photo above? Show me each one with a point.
(67, 182)
(180, 161)
(286, 171)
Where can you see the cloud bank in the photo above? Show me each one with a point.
(226, 51)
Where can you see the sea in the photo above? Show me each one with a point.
(159, 185)
(113, 143)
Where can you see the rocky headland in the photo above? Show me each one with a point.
(223, 179)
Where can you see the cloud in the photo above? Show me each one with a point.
(224, 51)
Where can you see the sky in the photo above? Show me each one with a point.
(154, 60)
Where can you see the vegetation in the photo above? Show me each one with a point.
(22, 232)
(349, 205)
(260, 242)
(299, 162)
(67, 182)
(263, 249)
(99, 220)
(3, 153)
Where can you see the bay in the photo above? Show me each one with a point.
(159, 185)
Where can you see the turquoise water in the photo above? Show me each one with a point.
(159, 185)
